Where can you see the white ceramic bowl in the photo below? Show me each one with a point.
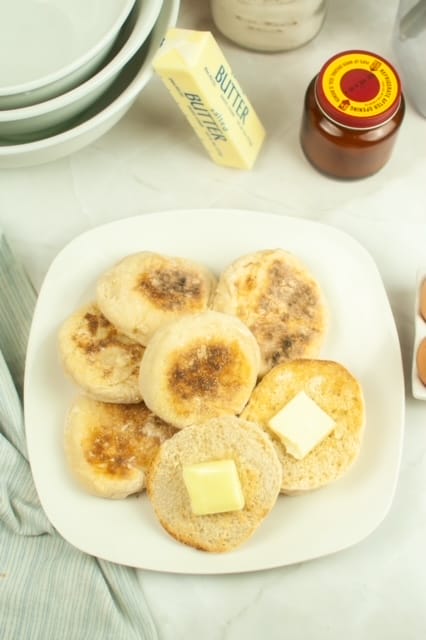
(48, 47)
(105, 112)
(36, 121)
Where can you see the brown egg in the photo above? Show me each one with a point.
(421, 361)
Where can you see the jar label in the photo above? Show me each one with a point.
(358, 85)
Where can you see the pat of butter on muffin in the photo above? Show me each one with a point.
(213, 487)
(199, 78)
(301, 425)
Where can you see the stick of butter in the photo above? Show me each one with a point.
(195, 71)
(301, 425)
(213, 487)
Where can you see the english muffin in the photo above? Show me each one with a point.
(101, 360)
(281, 302)
(334, 390)
(199, 367)
(146, 290)
(109, 447)
(259, 473)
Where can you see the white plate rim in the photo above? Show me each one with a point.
(256, 554)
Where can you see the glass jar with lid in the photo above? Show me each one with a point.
(269, 25)
(352, 113)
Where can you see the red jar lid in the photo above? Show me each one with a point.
(358, 89)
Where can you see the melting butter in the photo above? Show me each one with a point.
(301, 425)
(213, 487)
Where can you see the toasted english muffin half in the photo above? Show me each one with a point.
(99, 358)
(109, 447)
(199, 367)
(281, 302)
(146, 290)
(259, 472)
(337, 392)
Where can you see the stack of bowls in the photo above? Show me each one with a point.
(73, 72)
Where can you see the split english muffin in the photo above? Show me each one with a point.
(109, 447)
(335, 392)
(99, 359)
(146, 290)
(224, 439)
(277, 297)
(199, 367)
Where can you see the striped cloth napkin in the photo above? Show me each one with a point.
(48, 589)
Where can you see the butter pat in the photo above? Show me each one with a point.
(195, 71)
(301, 425)
(213, 487)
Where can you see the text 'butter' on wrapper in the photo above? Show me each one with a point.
(197, 75)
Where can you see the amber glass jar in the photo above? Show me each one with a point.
(352, 112)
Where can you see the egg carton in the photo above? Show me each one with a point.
(418, 371)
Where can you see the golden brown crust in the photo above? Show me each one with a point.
(110, 446)
(279, 300)
(258, 469)
(338, 393)
(199, 367)
(101, 360)
(206, 369)
(146, 290)
(124, 436)
(173, 288)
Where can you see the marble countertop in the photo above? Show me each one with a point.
(152, 161)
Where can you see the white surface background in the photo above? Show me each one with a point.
(151, 161)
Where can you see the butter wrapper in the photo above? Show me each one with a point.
(197, 75)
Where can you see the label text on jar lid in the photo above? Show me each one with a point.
(356, 86)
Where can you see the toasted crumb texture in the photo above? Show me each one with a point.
(338, 393)
(199, 367)
(277, 297)
(259, 471)
(100, 360)
(146, 290)
(110, 447)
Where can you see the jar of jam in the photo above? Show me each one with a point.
(353, 110)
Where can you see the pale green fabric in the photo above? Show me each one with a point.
(48, 589)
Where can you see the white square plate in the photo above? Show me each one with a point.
(362, 336)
